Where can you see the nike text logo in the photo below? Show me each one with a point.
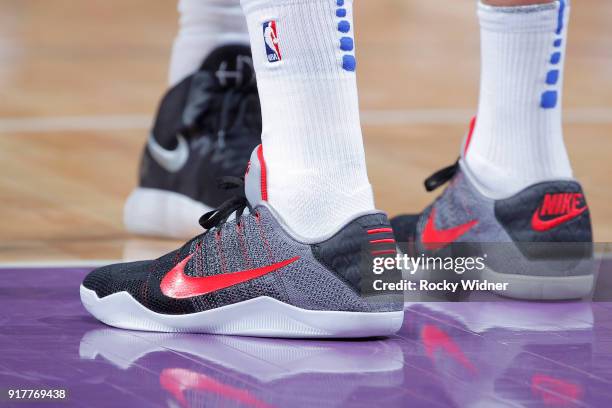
(171, 160)
(175, 284)
(565, 206)
(434, 239)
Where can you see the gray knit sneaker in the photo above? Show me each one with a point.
(250, 275)
(538, 242)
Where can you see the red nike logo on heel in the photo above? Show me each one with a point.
(564, 206)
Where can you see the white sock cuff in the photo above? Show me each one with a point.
(547, 17)
(203, 26)
(218, 19)
(206, 10)
(254, 5)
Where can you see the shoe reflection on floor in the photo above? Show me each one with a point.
(450, 354)
(507, 353)
(199, 370)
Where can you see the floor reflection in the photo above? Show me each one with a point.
(508, 353)
(479, 354)
(198, 370)
(448, 354)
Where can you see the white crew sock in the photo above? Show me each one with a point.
(312, 138)
(518, 138)
(204, 26)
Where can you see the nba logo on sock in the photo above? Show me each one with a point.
(272, 42)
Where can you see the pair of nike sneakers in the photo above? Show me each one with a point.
(248, 274)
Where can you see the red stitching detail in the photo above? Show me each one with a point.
(264, 175)
(220, 253)
(384, 252)
(263, 237)
(469, 136)
(383, 241)
(379, 230)
(243, 248)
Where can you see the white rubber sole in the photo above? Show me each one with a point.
(162, 213)
(541, 287)
(260, 317)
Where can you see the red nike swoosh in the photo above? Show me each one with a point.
(177, 285)
(437, 239)
(540, 225)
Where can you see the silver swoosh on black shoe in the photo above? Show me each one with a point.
(171, 160)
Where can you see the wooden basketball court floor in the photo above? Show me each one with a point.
(79, 82)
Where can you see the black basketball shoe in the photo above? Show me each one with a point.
(206, 127)
(251, 275)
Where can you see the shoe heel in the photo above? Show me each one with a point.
(551, 253)
(162, 213)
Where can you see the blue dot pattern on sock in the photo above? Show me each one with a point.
(344, 26)
(550, 98)
(347, 44)
(349, 63)
(555, 58)
(552, 77)
(561, 17)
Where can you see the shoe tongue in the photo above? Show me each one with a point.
(231, 64)
(255, 179)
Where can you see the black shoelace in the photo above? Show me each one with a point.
(236, 204)
(440, 177)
